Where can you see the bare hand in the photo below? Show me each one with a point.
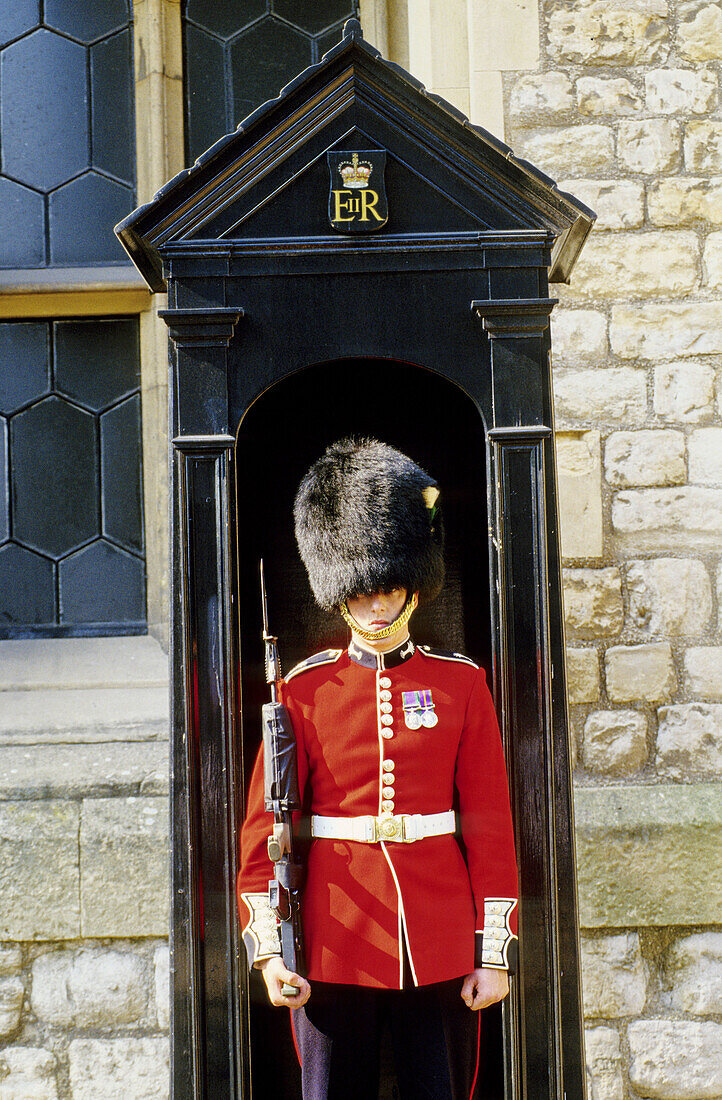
(483, 987)
(274, 974)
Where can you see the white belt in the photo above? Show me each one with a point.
(404, 828)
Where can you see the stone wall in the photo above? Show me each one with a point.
(84, 870)
(624, 111)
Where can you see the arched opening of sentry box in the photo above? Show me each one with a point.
(283, 432)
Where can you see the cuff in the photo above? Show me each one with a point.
(260, 935)
(498, 942)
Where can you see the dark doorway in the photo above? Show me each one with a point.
(282, 433)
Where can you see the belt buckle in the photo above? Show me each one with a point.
(390, 828)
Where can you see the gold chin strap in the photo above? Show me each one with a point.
(387, 631)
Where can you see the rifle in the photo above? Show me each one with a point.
(280, 774)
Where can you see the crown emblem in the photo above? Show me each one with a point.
(356, 173)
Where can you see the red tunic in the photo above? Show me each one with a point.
(356, 750)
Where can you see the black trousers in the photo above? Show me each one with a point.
(434, 1038)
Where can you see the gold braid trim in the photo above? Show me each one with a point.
(387, 631)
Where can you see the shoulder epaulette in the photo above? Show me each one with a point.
(325, 657)
(446, 655)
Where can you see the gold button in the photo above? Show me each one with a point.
(385, 682)
(386, 708)
(387, 806)
(387, 733)
(386, 720)
(385, 695)
(389, 777)
(388, 792)
(388, 765)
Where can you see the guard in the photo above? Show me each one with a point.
(406, 928)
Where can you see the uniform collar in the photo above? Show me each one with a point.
(382, 660)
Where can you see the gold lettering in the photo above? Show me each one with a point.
(368, 204)
(339, 205)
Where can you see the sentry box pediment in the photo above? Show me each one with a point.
(353, 155)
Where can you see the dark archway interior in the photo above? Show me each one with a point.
(283, 432)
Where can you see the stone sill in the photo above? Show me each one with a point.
(72, 292)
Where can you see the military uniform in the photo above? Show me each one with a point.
(381, 740)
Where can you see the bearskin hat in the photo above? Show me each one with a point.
(367, 521)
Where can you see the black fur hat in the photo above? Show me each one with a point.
(367, 520)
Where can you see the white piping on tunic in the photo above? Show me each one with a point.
(381, 740)
(426, 652)
(403, 932)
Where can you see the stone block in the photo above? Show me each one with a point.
(618, 204)
(688, 91)
(579, 336)
(162, 986)
(627, 32)
(11, 959)
(27, 1073)
(712, 262)
(649, 145)
(546, 95)
(703, 671)
(93, 988)
(39, 870)
(65, 771)
(614, 980)
(579, 474)
(117, 1069)
(640, 672)
(615, 394)
(676, 1059)
(617, 265)
(607, 96)
(614, 743)
(604, 1064)
(586, 149)
(659, 517)
(684, 200)
(644, 458)
(689, 741)
(593, 602)
(694, 966)
(705, 456)
(699, 34)
(669, 596)
(12, 993)
(124, 867)
(703, 146)
(649, 855)
(684, 392)
(582, 676)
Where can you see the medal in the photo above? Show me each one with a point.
(419, 709)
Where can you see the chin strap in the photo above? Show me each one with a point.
(373, 635)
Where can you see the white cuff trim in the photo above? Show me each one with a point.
(260, 935)
(497, 935)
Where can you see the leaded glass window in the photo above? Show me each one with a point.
(67, 142)
(239, 53)
(71, 520)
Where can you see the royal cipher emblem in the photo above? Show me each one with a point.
(357, 196)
